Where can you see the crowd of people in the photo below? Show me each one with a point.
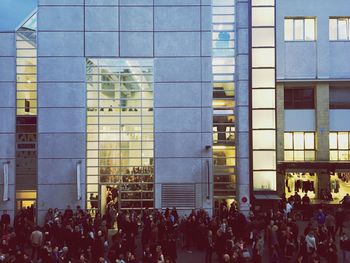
(154, 236)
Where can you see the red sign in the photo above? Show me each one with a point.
(244, 199)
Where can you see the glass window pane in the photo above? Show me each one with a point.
(333, 29)
(343, 28)
(343, 155)
(299, 156)
(263, 16)
(222, 2)
(333, 155)
(310, 33)
(298, 29)
(333, 140)
(264, 140)
(263, 78)
(263, 2)
(264, 119)
(309, 141)
(264, 160)
(288, 156)
(343, 140)
(263, 37)
(298, 140)
(263, 98)
(288, 140)
(264, 181)
(309, 155)
(263, 57)
(288, 29)
(223, 10)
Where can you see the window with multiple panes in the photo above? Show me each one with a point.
(299, 29)
(339, 28)
(263, 91)
(299, 98)
(339, 97)
(299, 146)
(223, 66)
(339, 146)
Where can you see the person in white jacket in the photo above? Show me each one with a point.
(310, 242)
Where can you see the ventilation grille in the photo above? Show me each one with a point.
(178, 195)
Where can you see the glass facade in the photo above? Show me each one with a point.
(120, 138)
(223, 65)
(26, 114)
(263, 98)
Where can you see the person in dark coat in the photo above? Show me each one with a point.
(339, 220)
(171, 248)
(98, 247)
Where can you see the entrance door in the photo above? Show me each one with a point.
(109, 197)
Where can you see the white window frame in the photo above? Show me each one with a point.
(337, 36)
(292, 36)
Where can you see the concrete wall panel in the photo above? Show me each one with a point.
(177, 69)
(65, 120)
(61, 44)
(60, 18)
(56, 69)
(299, 120)
(136, 44)
(177, 120)
(177, 95)
(101, 18)
(182, 145)
(61, 145)
(136, 18)
(57, 95)
(177, 19)
(177, 44)
(101, 44)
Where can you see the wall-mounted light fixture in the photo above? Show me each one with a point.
(5, 167)
(79, 180)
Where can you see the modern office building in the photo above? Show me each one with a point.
(186, 103)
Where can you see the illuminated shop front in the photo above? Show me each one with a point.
(120, 133)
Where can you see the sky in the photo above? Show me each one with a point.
(13, 12)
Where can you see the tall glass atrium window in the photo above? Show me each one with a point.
(26, 113)
(223, 65)
(263, 98)
(120, 133)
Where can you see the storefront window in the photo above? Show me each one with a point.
(302, 183)
(339, 185)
